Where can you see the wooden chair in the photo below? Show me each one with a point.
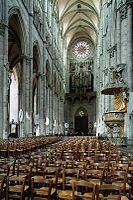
(41, 188)
(4, 149)
(2, 186)
(69, 175)
(16, 188)
(94, 176)
(108, 192)
(119, 178)
(38, 169)
(4, 169)
(24, 171)
(83, 190)
(56, 176)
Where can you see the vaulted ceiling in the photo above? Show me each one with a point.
(79, 19)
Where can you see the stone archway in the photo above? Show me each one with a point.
(81, 121)
(15, 40)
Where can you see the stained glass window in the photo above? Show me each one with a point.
(82, 49)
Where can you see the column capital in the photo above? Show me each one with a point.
(27, 59)
(23, 56)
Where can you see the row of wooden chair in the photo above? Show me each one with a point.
(64, 169)
(19, 146)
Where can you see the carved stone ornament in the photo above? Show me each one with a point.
(2, 29)
(123, 13)
(112, 51)
(119, 71)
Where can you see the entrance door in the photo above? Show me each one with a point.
(81, 125)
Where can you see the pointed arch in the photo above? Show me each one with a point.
(23, 33)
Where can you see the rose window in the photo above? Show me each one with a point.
(82, 49)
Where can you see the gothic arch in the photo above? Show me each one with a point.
(16, 11)
(16, 48)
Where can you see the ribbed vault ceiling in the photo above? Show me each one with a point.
(79, 19)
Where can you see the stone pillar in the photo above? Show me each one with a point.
(62, 115)
(44, 104)
(26, 80)
(118, 38)
(30, 88)
(47, 109)
(51, 112)
(41, 104)
(130, 44)
(26, 103)
(130, 63)
(4, 70)
(59, 114)
(54, 113)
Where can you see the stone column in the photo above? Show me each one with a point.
(59, 114)
(26, 127)
(118, 38)
(26, 80)
(44, 104)
(47, 108)
(49, 100)
(30, 64)
(41, 104)
(54, 112)
(62, 115)
(130, 44)
(51, 111)
(4, 69)
(130, 62)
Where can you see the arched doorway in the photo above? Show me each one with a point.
(81, 121)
